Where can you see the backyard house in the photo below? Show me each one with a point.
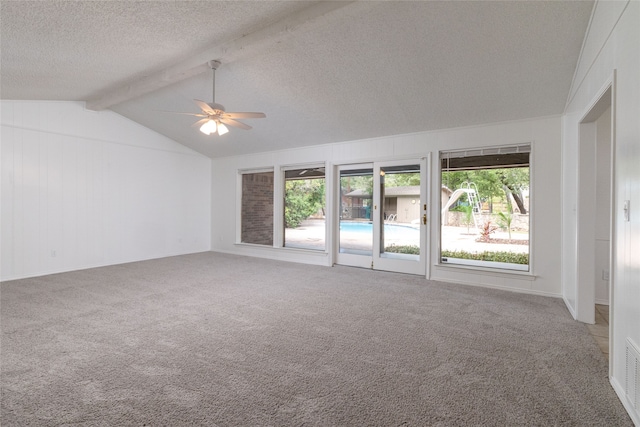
(403, 203)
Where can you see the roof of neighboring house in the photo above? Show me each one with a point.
(359, 193)
(406, 190)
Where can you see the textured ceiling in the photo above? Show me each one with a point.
(71, 50)
(321, 72)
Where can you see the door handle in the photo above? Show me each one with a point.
(424, 219)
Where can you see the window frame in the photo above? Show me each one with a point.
(489, 266)
(281, 205)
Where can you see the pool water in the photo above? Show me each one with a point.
(391, 231)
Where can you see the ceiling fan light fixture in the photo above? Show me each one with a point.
(213, 115)
(209, 127)
(222, 129)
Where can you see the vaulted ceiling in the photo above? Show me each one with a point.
(321, 71)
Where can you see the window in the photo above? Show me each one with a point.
(257, 208)
(485, 207)
(304, 208)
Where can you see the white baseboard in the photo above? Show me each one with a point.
(571, 309)
(635, 417)
(96, 265)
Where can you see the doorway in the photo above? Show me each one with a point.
(383, 216)
(596, 195)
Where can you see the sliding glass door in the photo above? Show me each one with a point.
(355, 231)
(382, 217)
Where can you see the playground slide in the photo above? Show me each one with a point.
(454, 198)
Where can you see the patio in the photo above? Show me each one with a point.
(311, 235)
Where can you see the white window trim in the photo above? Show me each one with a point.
(480, 151)
(279, 195)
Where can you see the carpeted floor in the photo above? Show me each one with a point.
(212, 339)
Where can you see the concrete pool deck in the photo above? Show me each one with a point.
(311, 235)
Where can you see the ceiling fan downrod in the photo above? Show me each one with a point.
(214, 64)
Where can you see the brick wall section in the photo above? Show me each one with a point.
(257, 208)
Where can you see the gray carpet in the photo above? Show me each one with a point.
(212, 339)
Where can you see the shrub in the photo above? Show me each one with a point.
(500, 256)
(407, 249)
(505, 220)
(302, 199)
(485, 232)
(467, 217)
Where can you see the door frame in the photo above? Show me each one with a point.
(585, 235)
(398, 264)
(349, 259)
(375, 261)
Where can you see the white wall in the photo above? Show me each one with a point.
(83, 189)
(612, 43)
(544, 134)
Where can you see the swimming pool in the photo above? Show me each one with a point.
(391, 231)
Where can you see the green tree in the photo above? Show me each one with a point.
(303, 198)
(514, 181)
(491, 183)
(357, 182)
(401, 179)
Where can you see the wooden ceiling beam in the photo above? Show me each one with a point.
(225, 52)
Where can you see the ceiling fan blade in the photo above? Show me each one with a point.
(186, 114)
(204, 107)
(245, 115)
(234, 123)
(200, 122)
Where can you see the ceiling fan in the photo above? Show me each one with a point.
(214, 117)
